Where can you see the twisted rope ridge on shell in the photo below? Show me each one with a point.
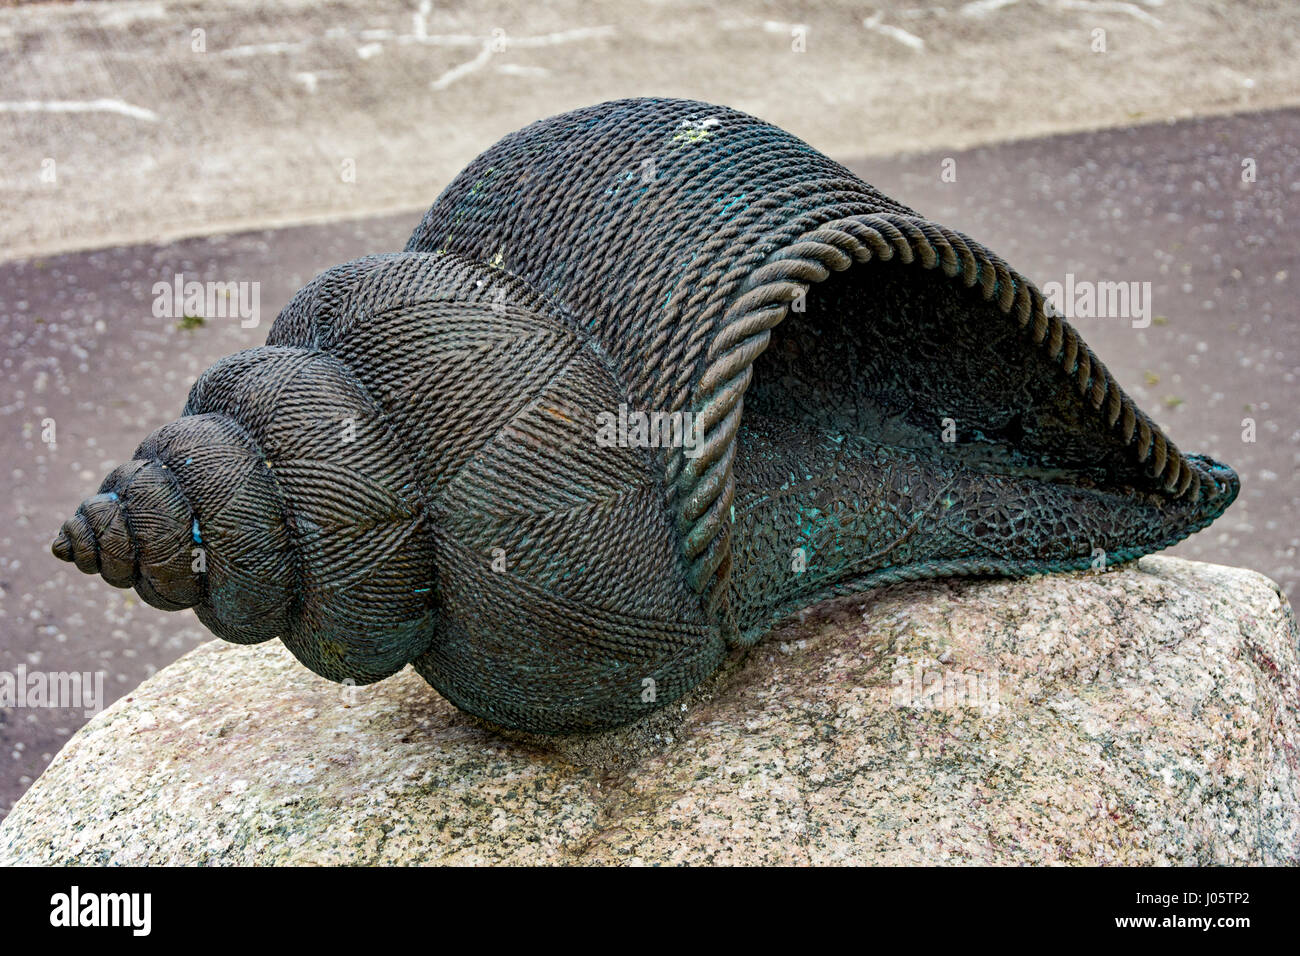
(707, 485)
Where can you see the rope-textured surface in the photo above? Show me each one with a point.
(677, 233)
(411, 469)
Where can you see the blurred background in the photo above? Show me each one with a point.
(262, 142)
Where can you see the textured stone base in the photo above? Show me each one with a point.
(1143, 716)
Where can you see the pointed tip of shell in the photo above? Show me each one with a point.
(1224, 483)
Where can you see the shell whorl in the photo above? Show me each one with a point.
(278, 505)
(357, 571)
(145, 528)
(136, 532)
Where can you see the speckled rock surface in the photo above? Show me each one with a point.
(1145, 715)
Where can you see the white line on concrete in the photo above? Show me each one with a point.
(420, 19)
(545, 39)
(79, 106)
(977, 8)
(894, 33)
(436, 39)
(254, 49)
(1109, 6)
(516, 69)
(564, 36)
(464, 69)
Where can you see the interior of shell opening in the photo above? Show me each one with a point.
(908, 356)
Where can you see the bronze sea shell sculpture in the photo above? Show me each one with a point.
(648, 377)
